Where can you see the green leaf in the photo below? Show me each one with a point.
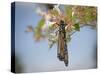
(51, 44)
(41, 23)
(74, 19)
(68, 38)
(37, 29)
(52, 40)
(68, 11)
(77, 26)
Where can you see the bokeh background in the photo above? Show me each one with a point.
(32, 56)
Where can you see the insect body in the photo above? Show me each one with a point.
(62, 52)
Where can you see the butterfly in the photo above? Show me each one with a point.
(62, 52)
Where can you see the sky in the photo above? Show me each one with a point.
(37, 57)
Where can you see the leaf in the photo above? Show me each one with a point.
(51, 44)
(37, 29)
(52, 39)
(68, 38)
(41, 23)
(68, 11)
(86, 14)
(77, 26)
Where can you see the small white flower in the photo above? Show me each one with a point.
(40, 12)
(56, 7)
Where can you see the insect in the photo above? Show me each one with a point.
(62, 52)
